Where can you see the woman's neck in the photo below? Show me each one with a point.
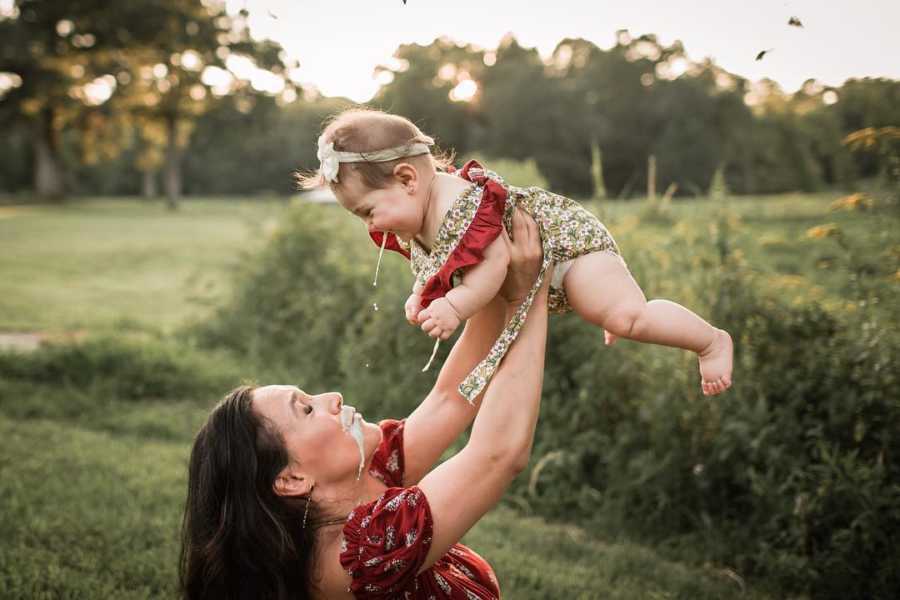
(444, 190)
(336, 503)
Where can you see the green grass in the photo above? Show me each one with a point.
(89, 265)
(95, 264)
(92, 509)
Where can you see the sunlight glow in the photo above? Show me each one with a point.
(99, 90)
(218, 79)
(9, 81)
(732, 34)
(264, 81)
(464, 91)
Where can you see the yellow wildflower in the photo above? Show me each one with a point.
(823, 231)
(857, 201)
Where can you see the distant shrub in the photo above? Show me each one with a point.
(123, 369)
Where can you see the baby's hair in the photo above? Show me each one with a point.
(369, 130)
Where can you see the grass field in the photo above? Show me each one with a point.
(92, 485)
(94, 264)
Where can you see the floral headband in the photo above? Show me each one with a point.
(330, 159)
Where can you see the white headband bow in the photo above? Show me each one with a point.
(330, 159)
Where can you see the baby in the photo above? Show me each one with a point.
(381, 169)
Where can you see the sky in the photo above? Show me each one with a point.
(340, 42)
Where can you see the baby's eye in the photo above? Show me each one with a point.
(308, 408)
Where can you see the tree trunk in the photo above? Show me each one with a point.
(148, 185)
(49, 178)
(172, 168)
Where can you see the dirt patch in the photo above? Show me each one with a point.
(28, 342)
(21, 341)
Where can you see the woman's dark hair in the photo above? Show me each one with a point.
(239, 539)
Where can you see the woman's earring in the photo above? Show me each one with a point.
(306, 511)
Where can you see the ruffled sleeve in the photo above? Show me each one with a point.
(485, 226)
(387, 463)
(386, 542)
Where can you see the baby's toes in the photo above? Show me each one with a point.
(724, 383)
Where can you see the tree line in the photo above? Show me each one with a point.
(100, 102)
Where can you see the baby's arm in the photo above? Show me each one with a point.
(480, 283)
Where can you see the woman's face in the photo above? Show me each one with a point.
(311, 427)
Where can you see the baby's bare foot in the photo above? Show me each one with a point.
(716, 364)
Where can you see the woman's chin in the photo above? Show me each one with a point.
(372, 436)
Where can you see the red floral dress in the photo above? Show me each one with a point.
(386, 541)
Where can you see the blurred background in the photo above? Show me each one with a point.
(154, 253)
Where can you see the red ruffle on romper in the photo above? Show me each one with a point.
(391, 244)
(486, 225)
(386, 541)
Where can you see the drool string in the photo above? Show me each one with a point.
(384, 237)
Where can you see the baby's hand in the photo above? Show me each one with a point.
(413, 307)
(439, 320)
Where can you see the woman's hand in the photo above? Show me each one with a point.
(525, 256)
(412, 308)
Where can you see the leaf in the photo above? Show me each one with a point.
(763, 53)
(795, 22)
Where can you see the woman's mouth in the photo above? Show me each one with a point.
(351, 423)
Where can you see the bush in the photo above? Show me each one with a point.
(123, 369)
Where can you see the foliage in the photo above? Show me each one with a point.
(133, 78)
(123, 369)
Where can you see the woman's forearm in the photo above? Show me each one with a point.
(504, 427)
(479, 334)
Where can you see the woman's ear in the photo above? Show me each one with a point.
(292, 483)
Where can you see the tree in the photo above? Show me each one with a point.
(53, 49)
(150, 59)
(421, 88)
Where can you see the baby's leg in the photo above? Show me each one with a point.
(602, 291)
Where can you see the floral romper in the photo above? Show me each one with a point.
(473, 221)
(386, 541)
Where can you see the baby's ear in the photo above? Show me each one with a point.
(407, 175)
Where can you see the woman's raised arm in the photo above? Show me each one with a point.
(444, 414)
(462, 489)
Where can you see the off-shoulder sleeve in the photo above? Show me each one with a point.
(386, 542)
(387, 462)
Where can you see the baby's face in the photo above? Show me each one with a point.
(393, 209)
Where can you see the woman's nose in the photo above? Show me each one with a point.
(335, 402)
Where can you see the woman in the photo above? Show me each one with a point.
(277, 508)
